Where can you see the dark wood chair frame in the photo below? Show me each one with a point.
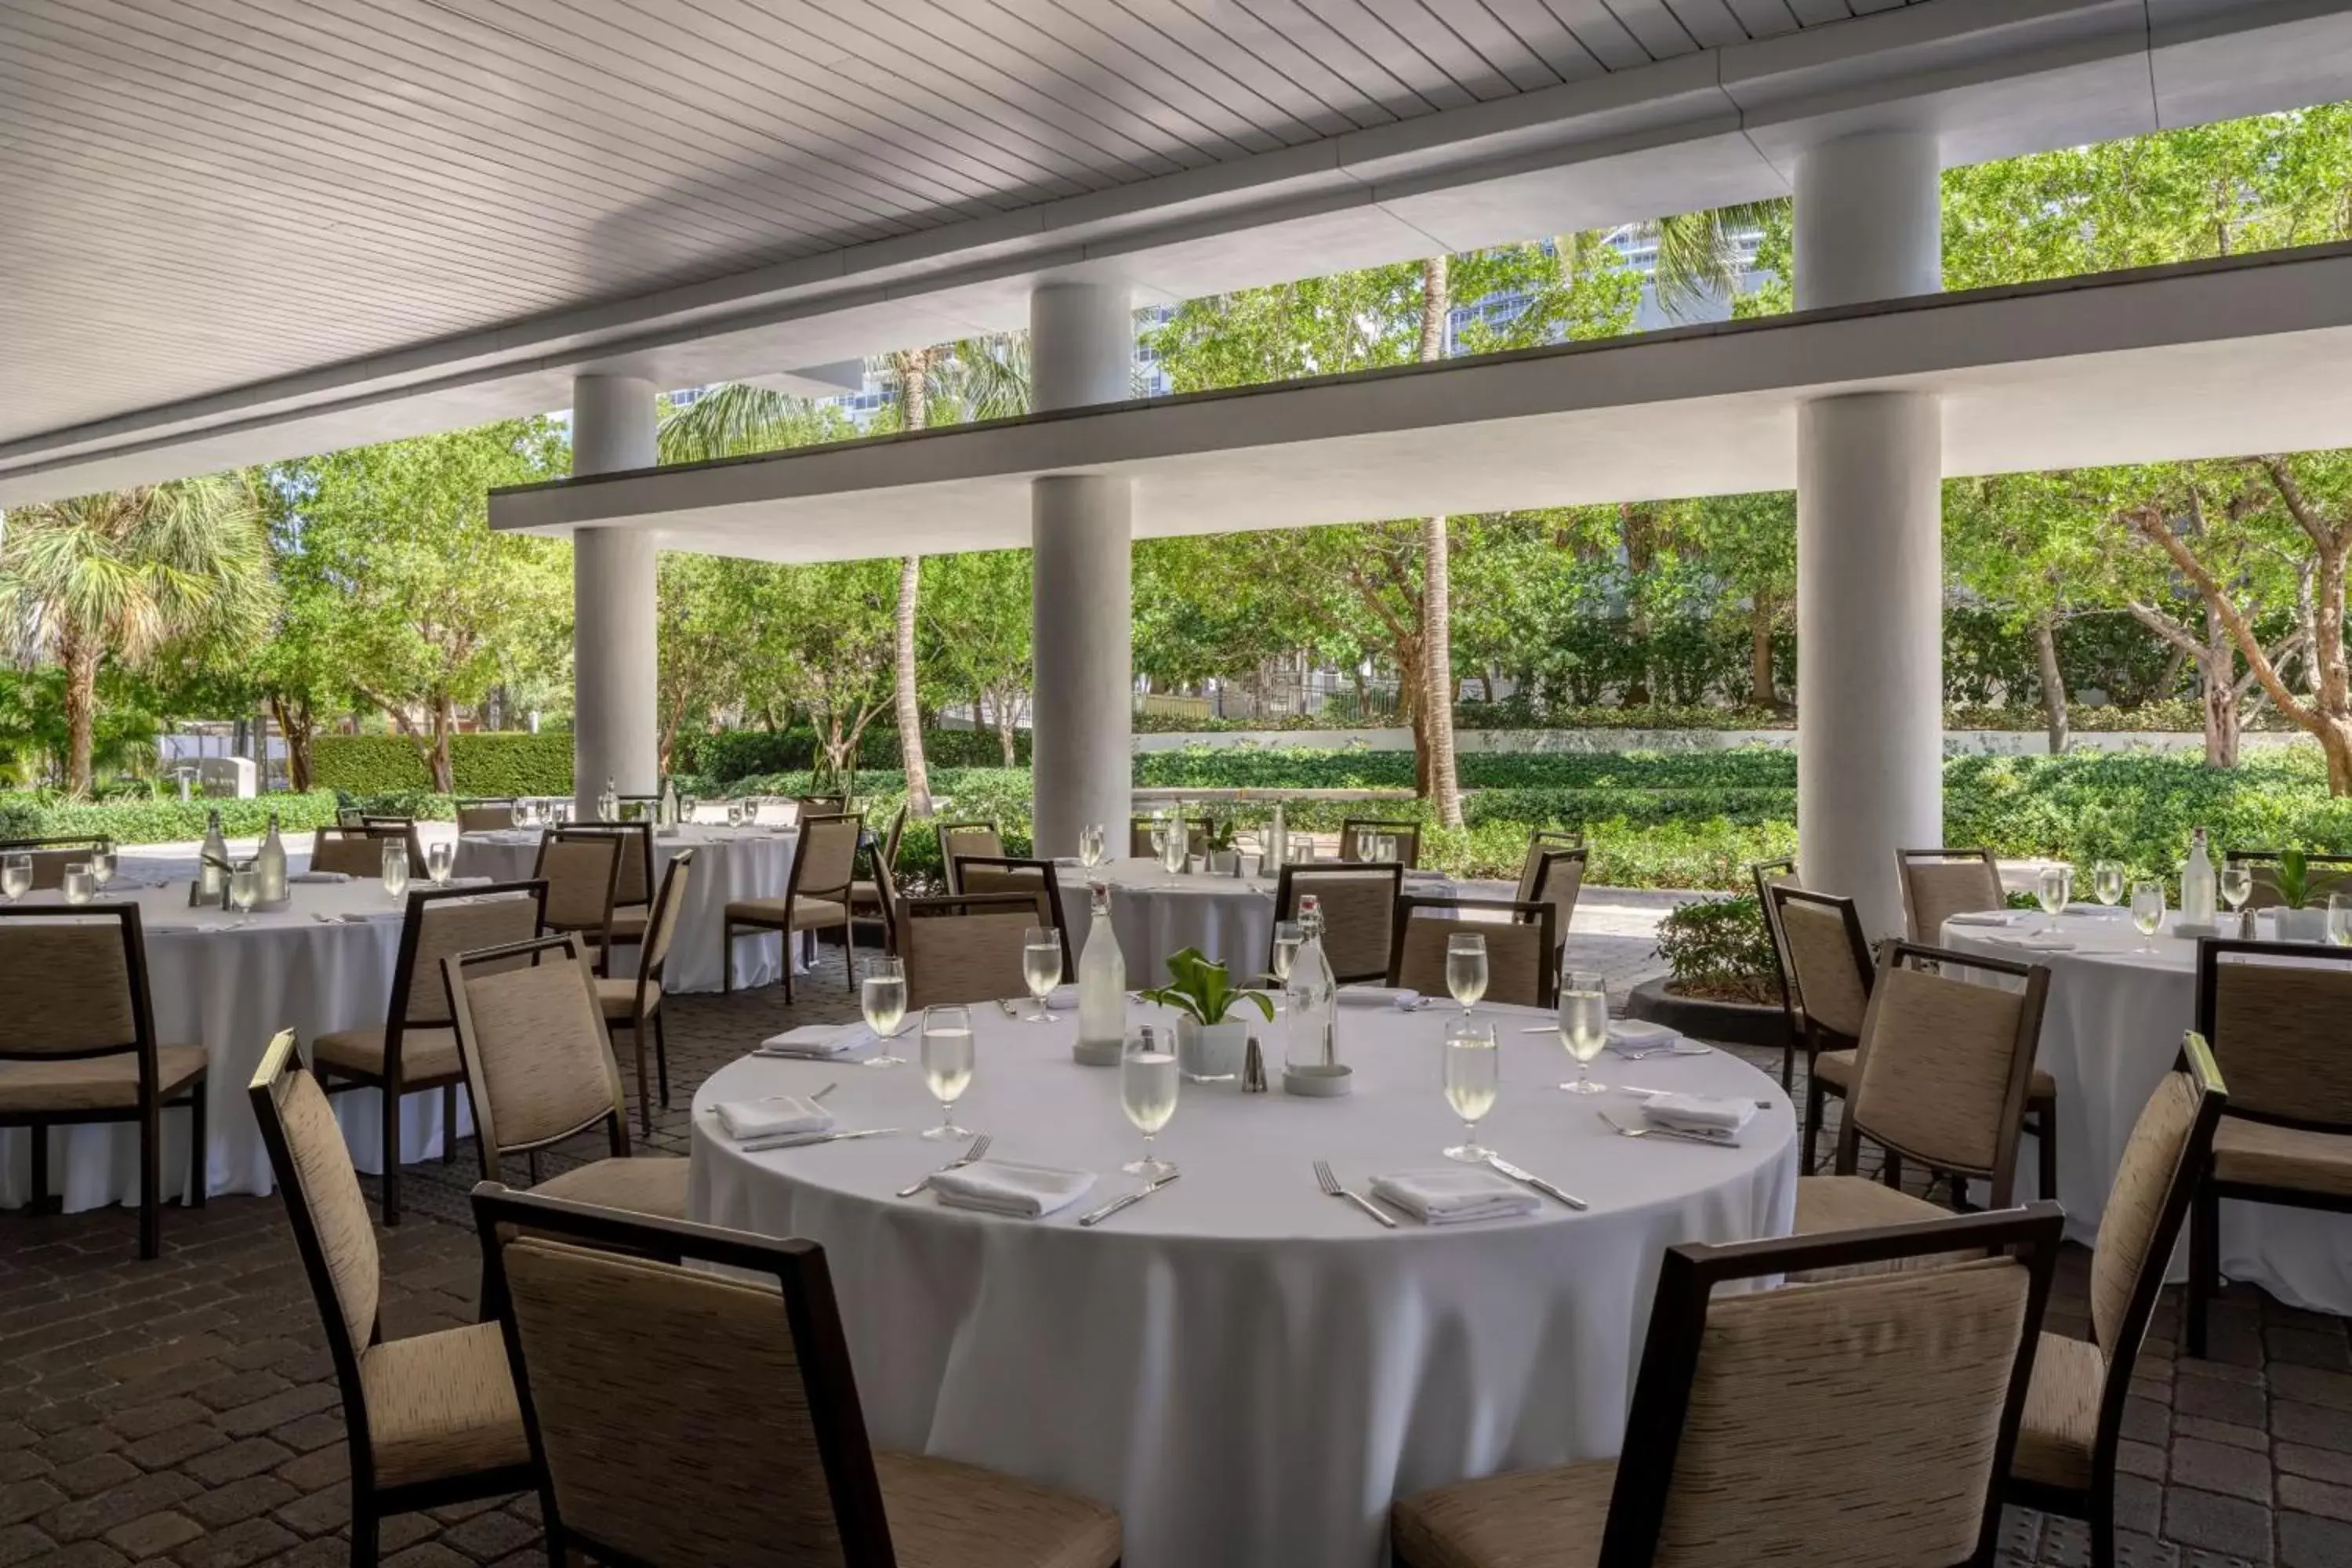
(537, 949)
(392, 1084)
(2095, 1504)
(464, 804)
(2205, 1207)
(948, 830)
(147, 1110)
(380, 827)
(1048, 874)
(1407, 833)
(649, 977)
(371, 1504)
(1287, 894)
(730, 924)
(642, 832)
(1529, 915)
(952, 904)
(569, 833)
(55, 841)
(1547, 867)
(877, 856)
(1906, 859)
(1767, 875)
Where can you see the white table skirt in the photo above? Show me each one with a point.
(2111, 1031)
(1249, 1371)
(230, 991)
(729, 864)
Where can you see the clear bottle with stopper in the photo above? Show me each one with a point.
(212, 867)
(269, 865)
(1102, 988)
(669, 810)
(608, 804)
(1277, 842)
(1311, 1064)
(2198, 884)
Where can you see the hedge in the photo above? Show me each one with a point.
(25, 815)
(732, 754)
(499, 762)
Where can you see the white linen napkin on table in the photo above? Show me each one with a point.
(319, 877)
(816, 1042)
(1639, 1037)
(1990, 917)
(778, 1121)
(1008, 1187)
(1455, 1196)
(1403, 999)
(1718, 1117)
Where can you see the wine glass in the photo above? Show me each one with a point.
(2148, 911)
(244, 890)
(101, 867)
(519, 812)
(1474, 1072)
(882, 993)
(77, 886)
(2237, 887)
(438, 857)
(1366, 843)
(1091, 844)
(2339, 919)
(1041, 967)
(1172, 847)
(2051, 890)
(734, 814)
(2107, 882)
(1289, 937)
(1583, 1025)
(395, 867)
(687, 804)
(1384, 849)
(15, 876)
(1147, 1092)
(946, 1066)
(1466, 968)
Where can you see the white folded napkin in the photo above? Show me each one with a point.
(1459, 1196)
(2038, 942)
(1062, 996)
(1720, 1117)
(815, 1041)
(1632, 1036)
(2099, 911)
(1009, 1187)
(1989, 917)
(1403, 998)
(776, 1123)
(319, 877)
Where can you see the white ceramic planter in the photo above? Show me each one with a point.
(1209, 1054)
(2301, 926)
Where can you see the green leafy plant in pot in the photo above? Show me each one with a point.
(1210, 1041)
(2297, 921)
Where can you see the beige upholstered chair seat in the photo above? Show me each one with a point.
(2269, 1156)
(95, 1083)
(946, 1515)
(1855, 1203)
(643, 1184)
(442, 1404)
(618, 997)
(2060, 1423)
(1837, 1067)
(801, 914)
(1531, 1519)
(424, 1053)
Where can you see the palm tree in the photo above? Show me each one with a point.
(124, 574)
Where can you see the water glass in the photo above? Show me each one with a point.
(101, 867)
(734, 814)
(1583, 1025)
(1147, 1092)
(519, 812)
(2107, 882)
(1466, 968)
(1384, 849)
(1288, 936)
(2237, 884)
(2148, 911)
(946, 1066)
(882, 994)
(1474, 1073)
(687, 804)
(78, 886)
(1041, 967)
(1172, 847)
(395, 867)
(2339, 919)
(15, 876)
(438, 858)
(243, 891)
(2051, 890)
(1091, 844)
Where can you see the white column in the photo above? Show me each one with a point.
(1082, 526)
(615, 652)
(1870, 667)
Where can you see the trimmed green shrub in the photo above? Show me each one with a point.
(23, 815)
(1719, 949)
(499, 762)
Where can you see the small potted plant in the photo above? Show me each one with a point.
(2297, 923)
(1209, 1042)
(1218, 843)
(1722, 983)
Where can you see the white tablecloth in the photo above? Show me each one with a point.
(729, 863)
(230, 991)
(2111, 1032)
(1247, 1370)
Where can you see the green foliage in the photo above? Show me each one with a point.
(27, 814)
(2294, 878)
(1202, 991)
(1719, 949)
(717, 762)
(496, 763)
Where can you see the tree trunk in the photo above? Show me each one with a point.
(1437, 642)
(294, 724)
(1762, 692)
(80, 659)
(2053, 680)
(1005, 738)
(910, 713)
(444, 720)
(1637, 523)
(2224, 715)
(2336, 740)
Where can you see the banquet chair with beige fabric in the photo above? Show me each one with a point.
(636, 999)
(485, 814)
(2073, 1428)
(2275, 1014)
(632, 882)
(866, 893)
(581, 870)
(807, 805)
(1522, 949)
(77, 1046)
(966, 947)
(1359, 903)
(2323, 875)
(415, 1048)
(815, 898)
(1940, 883)
(432, 1420)
(540, 1069)
(1766, 876)
(358, 852)
(958, 839)
(704, 1411)
(1553, 874)
(1865, 1419)
(979, 874)
(51, 856)
(1406, 834)
(1939, 1077)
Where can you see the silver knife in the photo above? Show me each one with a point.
(1538, 1182)
(1096, 1216)
(1007, 1008)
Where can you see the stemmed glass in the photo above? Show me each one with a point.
(2237, 887)
(438, 857)
(1474, 1072)
(687, 804)
(946, 1066)
(1583, 1025)
(519, 812)
(2147, 912)
(1147, 1092)
(1169, 837)
(2051, 890)
(1289, 937)
(1091, 844)
(244, 890)
(101, 867)
(396, 868)
(1041, 967)
(1466, 968)
(76, 885)
(2339, 919)
(15, 876)
(882, 994)
(1367, 844)
(2107, 882)
(734, 814)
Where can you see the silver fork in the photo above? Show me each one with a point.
(1625, 1131)
(978, 1148)
(1331, 1188)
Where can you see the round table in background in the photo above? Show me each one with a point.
(1157, 915)
(1248, 1369)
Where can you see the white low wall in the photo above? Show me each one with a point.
(1957, 743)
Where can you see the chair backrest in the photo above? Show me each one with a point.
(539, 1064)
(359, 851)
(1522, 951)
(1862, 1420)
(2323, 875)
(2274, 1015)
(1359, 904)
(51, 856)
(1829, 960)
(1944, 1064)
(895, 836)
(633, 878)
(1558, 877)
(485, 814)
(680, 1413)
(1406, 834)
(77, 986)
(824, 861)
(1541, 843)
(443, 921)
(966, 947)
(806, 806)
(1769, 875)
(977, 874)
(958, 839)
(886, 893)
(581, 868)
(1940, 883)
(661, 929)
(1139, 831)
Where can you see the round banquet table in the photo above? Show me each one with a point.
(729, 863)
(229, 989)
(1156, 915)
(2111, 1031)
(1249, 1371)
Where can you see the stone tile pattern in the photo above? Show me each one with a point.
(184, 1411)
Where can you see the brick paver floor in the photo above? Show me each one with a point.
(184, 1411)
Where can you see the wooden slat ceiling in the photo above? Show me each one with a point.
(204, 194)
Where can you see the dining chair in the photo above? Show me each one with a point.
(2323, 875)
(866, 895)
(358, 852)
(78, 1047)
(2275, 1014)
(1522, 950)
(688, 1399)
(966, 947)
(636, 999)
(415, 1048)
(581, 868)
(1940, 883)
(1554, 875)
(1359, 905)
(633, 883)
(538, 1069)
(485, 814)
(1866, 1418)
(808, 806)
(430, 1420)
(958, 839)
(815, 898)
(2070, 1436)
(51, 856)
(1766, 876)
(1829, 964)
(1406, 834)
(1010, 874)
